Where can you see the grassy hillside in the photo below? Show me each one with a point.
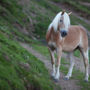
(78, 6)
(24, 21)
(20, 70)
(41, 14)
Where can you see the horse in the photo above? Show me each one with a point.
(61, 36)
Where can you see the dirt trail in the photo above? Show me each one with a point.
(65, 85)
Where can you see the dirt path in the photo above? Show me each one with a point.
(65, 85)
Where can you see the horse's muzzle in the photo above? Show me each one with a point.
(63, 33)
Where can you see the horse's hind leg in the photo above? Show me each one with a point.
(86, 63)
(69, 74)
(52, 62)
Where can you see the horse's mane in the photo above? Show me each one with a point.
(55, 21)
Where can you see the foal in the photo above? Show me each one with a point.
(61, 36)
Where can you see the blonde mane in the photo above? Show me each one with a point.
(55, 21)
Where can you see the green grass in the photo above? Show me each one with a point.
(12, 19)
(78, 76)
(85, 0)
(48, 5)
(41, 26)
(41, 49)
(13, 73)
(44, 19)
(43, 16)
(75, 4)
(77, 53)
(77, 21)
(78, 6)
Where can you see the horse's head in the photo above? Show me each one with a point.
(61, 22)
(64, 23)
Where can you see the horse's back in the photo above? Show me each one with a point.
(76, 36)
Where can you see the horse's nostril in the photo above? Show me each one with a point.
(63, 33)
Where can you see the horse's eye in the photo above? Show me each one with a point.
(61, 20)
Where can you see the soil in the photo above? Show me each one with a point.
(65, 85)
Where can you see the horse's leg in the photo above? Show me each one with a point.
(52, 62)
(69, 74)
(86, 63)
(59, 52)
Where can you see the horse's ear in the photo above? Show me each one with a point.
(69, 13)
(63, 12)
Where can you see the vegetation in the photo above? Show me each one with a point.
(77, 6)
(78, 76)
(51, 11)
(20, 70)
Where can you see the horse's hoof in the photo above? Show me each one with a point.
(56, 80)
(66, 78)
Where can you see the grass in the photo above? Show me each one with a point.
(76, 73)
(40, 28)
(77, 53)
(79, 7)
(77, 21)
(48, 5)
(85, 0)
(43, 19)
(42, 49)
(20, 69)
(14, 74)
(75, 5)
(40, 16)
(12, 19)
(70, 0)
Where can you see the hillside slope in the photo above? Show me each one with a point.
(25, 21)
(20, 70)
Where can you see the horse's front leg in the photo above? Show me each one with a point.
(59, 52)
(52, 62)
